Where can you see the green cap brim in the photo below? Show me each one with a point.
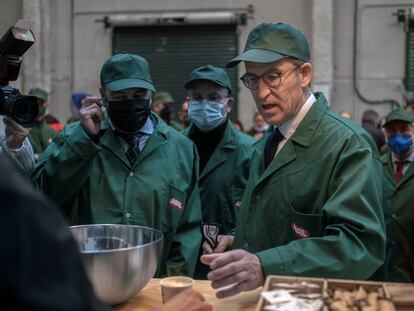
(257, 56)
(128, 83)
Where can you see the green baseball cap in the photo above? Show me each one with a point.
(125, 71)
(268, 43)
(211, 73)
(164, 97)
(39, 93)
(400, 115)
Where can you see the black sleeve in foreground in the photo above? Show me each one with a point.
(40, 268)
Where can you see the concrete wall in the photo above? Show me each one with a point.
(380, 54)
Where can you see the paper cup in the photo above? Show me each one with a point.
(173, 285)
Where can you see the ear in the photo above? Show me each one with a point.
(306, 71)
(229, 104)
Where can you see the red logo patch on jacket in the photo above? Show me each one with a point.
(174, 203)
(300, 232)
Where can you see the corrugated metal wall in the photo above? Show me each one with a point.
(173, 52)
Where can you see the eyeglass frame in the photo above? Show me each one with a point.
(279, 79)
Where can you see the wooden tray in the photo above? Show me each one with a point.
(325, 284)
(272, 279)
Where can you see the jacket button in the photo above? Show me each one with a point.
(127, 215)
(131, 174)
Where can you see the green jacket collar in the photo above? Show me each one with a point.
(302, 136)
(386, 160)
(219, 155)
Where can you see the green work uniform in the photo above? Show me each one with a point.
(40, 136)
(224, 178)
(402, 198)
(95, 183)
(317, 208)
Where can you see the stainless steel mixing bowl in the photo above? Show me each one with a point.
(119, 259)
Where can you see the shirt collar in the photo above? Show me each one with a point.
(409, 159)
(289, 127)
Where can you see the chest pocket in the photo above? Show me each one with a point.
(302, 225)
(229, 209)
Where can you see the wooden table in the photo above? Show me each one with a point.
(150, 297)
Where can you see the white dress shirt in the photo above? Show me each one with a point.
(289, 127)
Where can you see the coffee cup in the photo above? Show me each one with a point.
(173, 285)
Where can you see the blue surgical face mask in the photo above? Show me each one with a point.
(207, 115)
(399, 143)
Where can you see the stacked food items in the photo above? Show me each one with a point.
(359, 298)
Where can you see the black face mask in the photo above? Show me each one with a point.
(165, 113)
(130, 115)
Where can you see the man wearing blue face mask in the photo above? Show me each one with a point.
(398, 167)
(224, 152)
(127, 166)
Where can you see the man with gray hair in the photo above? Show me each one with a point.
(313, 202)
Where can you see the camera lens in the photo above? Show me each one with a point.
(23, 109)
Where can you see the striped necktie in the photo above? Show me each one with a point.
(133, 151)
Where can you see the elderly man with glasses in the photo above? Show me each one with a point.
(313, 202)
(224, 152)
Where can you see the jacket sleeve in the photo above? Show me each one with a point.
(186, 242)
(63, 167)
(23, 157)
(352, 245)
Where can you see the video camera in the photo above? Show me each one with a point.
(14, 43)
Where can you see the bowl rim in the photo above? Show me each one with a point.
(117, 249)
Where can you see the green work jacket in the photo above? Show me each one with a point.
(95, 183)
(224, 178)
(317, 208)
(402, 199)
(40, 136)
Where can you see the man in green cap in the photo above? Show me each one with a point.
(399, 170)
(313, 202)
(163, 105)
(224, 152)
(41, 134)
(126, 166)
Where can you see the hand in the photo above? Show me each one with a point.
(224, 243)
(188, 300)
(91, 114)
(239, 268)
(15, 133)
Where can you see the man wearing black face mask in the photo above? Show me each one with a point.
(127, 166)
(163, 105)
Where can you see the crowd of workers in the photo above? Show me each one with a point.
(307, 193)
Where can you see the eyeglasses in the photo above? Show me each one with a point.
(271, 79)
(210, 97)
